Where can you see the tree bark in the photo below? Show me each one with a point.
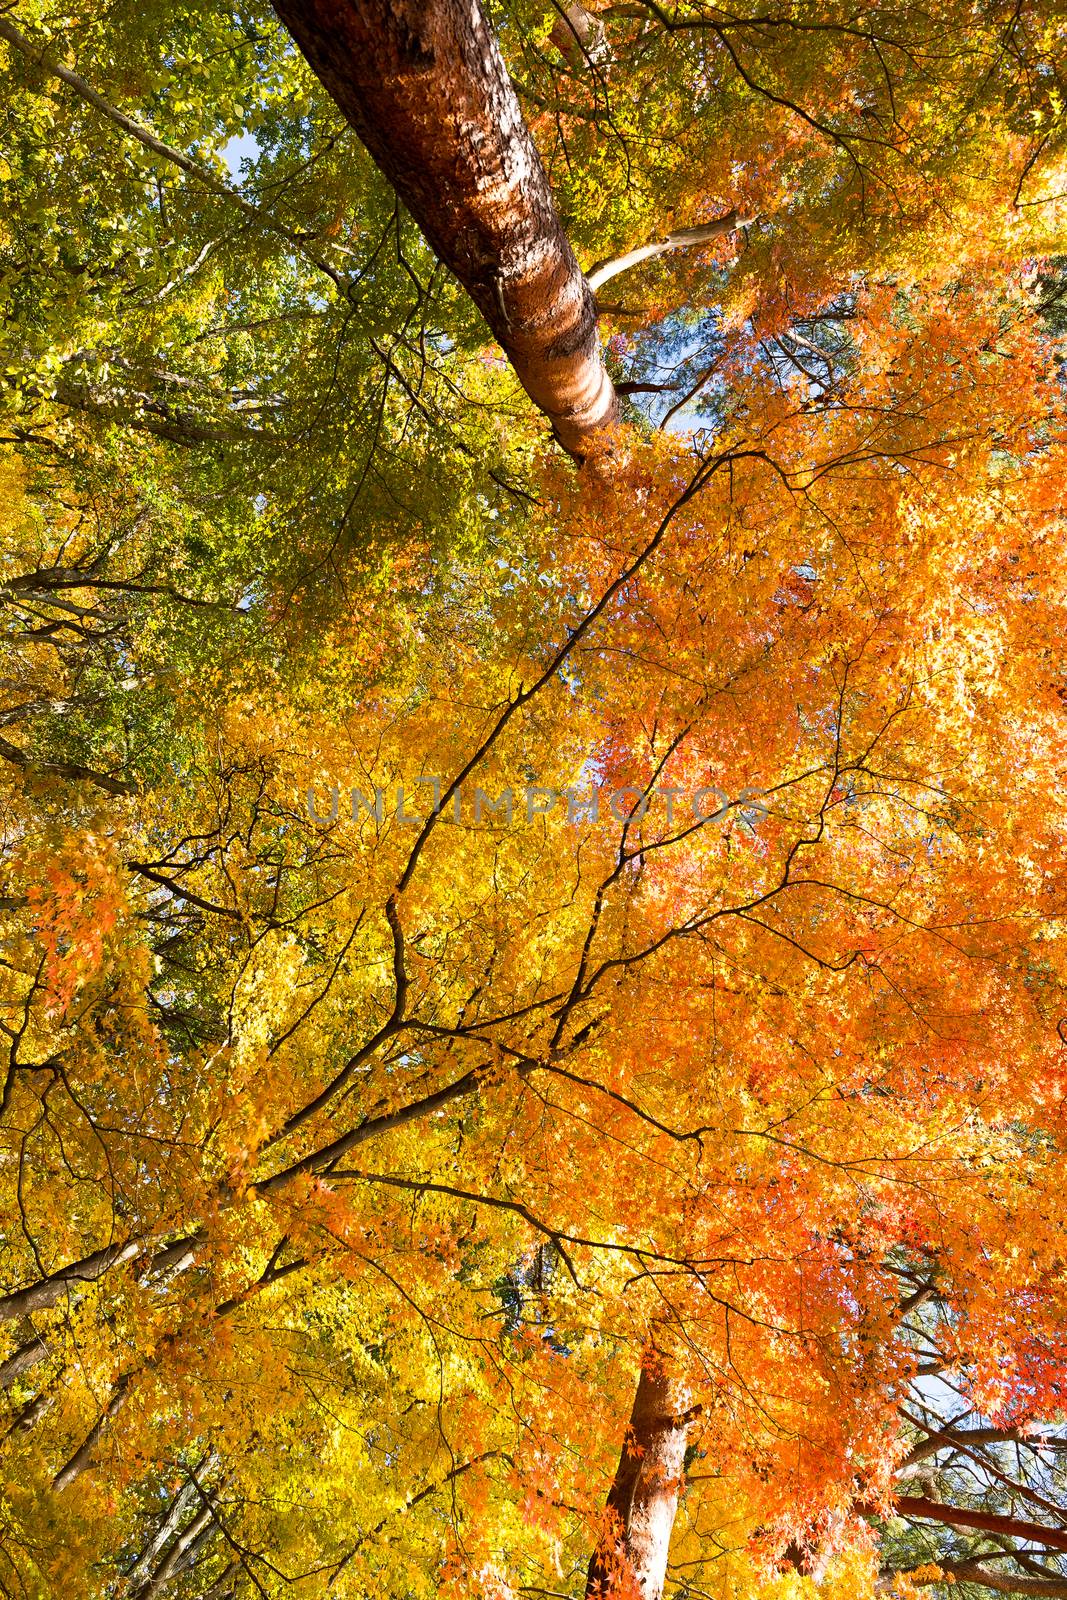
(964, 1438)
(579, 36)
(21, 1360)
(83, 1456)
(986, 1521)
(643, 1502)
(680, 239)
(47, 1291)
(424, 85)
(987, 1578)
(182, 1552)
(31, 1413)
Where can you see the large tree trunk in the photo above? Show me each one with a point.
(425, 87)
(632, 1559)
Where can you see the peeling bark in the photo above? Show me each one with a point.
(424, 85)
(643, 1500)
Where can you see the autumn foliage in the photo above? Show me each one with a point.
(351, 1167)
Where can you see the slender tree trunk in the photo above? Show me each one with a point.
(48, 1291)
(680, 239)
(183, 1551)
(183, 1500)
(579, 37)
(986, 1578)
(83, 1456)
(424, 85)
(985, 1521)
(643, 1502)
(21, 1360)
(30, 1415)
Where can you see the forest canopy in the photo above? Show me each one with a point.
(533, 993)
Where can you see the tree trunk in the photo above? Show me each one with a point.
(680, 239)
(1038, 1533)
(21, 1360)
(48, 1291)
(632, 1558)
(424, 85)
(83, 1456)
(985, 1577)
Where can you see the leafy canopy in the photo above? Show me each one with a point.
(347, 1164)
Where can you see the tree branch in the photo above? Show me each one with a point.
(680, 239)
(35, 53)
(71, 770)
(987, 1521)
